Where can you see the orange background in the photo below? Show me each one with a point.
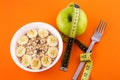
(106, 55)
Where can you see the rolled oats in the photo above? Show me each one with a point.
(37, 47)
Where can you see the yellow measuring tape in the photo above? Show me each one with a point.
(70, 40)
(71, 37)
(86, 57)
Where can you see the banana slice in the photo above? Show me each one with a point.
(46, 61)
(52, 40)
(20, 51)
(43, 33)
(32, 33)
(26, 60)
(35, 63)
(52, 52)
(22, 40)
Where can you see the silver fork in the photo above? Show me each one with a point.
(95, 38)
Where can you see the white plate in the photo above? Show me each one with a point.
(28, 27)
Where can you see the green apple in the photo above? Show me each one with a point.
(64, 20)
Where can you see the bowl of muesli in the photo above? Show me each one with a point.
(36, 47)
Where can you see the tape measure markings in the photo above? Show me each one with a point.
(88, 67)
(77, 42)
(85, 57)
(75, 21)
(71, 37)
(81, 45)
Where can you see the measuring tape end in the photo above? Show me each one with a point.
(63, 69)
(77, 6)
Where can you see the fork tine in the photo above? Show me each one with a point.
(99, 26)
(103, 27)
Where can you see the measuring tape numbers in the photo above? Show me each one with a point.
(71, 38)
(88, 67)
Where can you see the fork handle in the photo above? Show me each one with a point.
(90, 47)
(81, 65)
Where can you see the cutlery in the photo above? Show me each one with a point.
(95, 38)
